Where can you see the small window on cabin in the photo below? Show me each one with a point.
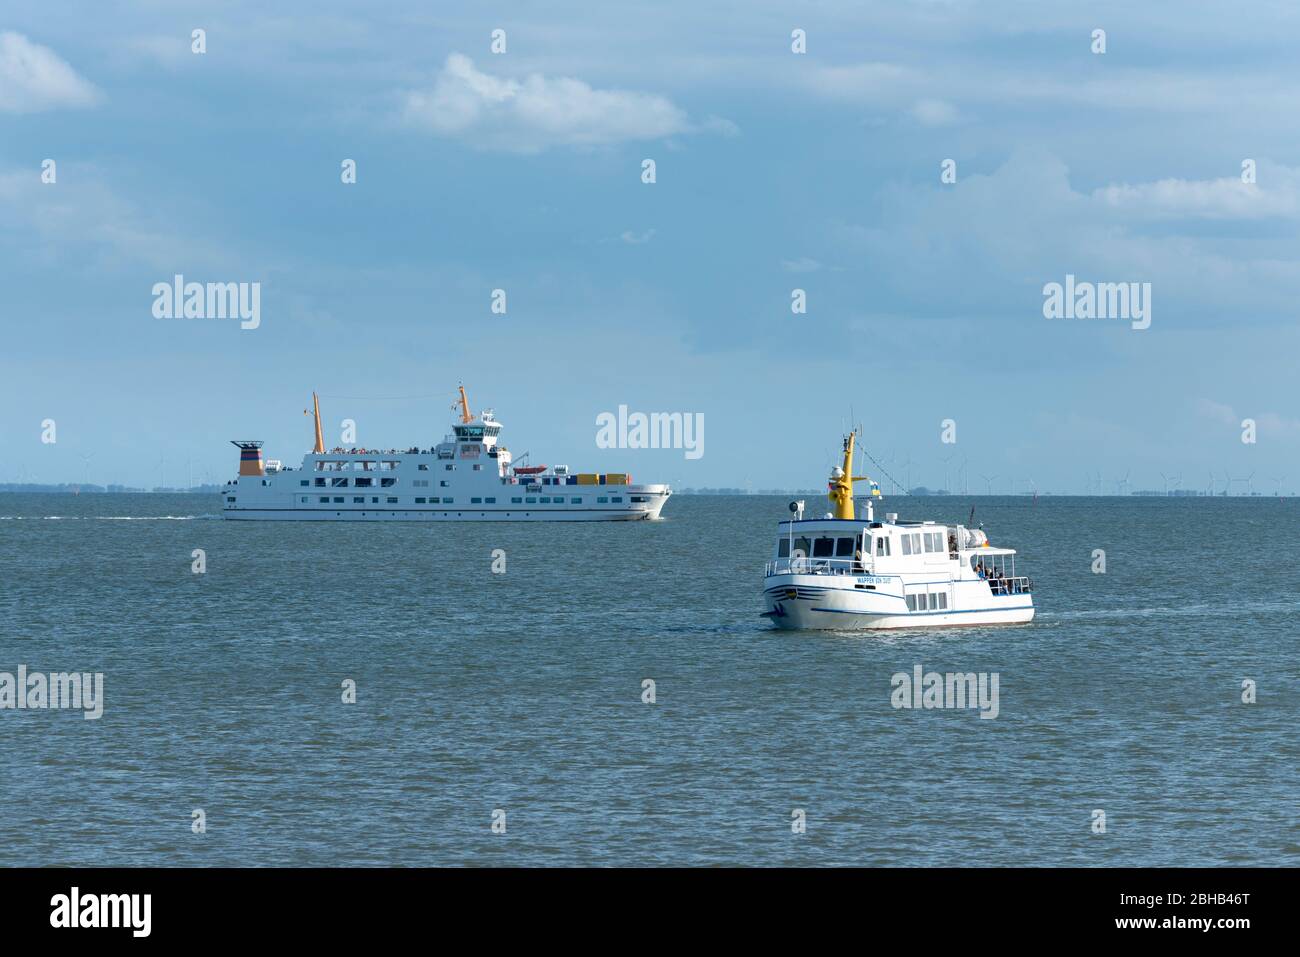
(375, 500)
(392, 501)
(602, 499)
(843, 548)
(443, 484)
(530, 500)
(478, 468)
(422, 467)
(490, 501)
(419, 501)
(576, 500)
(911, 603)
(359, 500)
(943, 599)
(305, 482)
(517, 501)
(304, 499)
(388, 482)
(476, 501)
(617, 498)
(783, 548)
(448, 501)
(449, 466)
(338, 500)
(823, 547)
(907, 544)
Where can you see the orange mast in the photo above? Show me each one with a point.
(464, 407)
(315, 413)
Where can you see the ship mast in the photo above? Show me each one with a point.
(464, 407)
(315, 414)
(841, 483)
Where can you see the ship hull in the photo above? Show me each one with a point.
(805, 602)
(451, 515)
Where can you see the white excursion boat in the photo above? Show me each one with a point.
(843, 573)
(466, 477)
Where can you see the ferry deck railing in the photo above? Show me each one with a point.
(1020, 585)
(815, 566)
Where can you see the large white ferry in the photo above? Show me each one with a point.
(466, 477)
(842, 573)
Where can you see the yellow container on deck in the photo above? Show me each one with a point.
(615, 478)
(587, 478)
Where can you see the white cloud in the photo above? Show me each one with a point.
(537, 112)
(934, 112)
(1224, 198)
(996, 238)
(34, 78)
(82, 213)
(637, 239)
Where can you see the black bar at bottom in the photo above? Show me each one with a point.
(362, 905)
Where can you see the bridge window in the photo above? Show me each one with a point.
(843, 548)
(823, 547)
(783, 548)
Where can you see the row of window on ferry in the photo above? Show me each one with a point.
(911, 543)
(488, 500)
(326, 466)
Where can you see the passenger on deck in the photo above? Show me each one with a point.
(858, 566)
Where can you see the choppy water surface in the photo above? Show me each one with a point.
(522, 692)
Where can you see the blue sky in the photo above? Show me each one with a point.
(775, 171)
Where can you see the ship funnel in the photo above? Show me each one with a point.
(250, 457)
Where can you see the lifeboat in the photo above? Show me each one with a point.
(530, 470)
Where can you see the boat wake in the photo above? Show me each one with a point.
(108, 518)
